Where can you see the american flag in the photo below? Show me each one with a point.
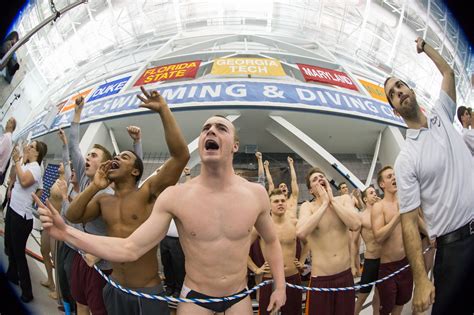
(49, 178)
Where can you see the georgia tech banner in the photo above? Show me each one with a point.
(247, 66)
(169, 72)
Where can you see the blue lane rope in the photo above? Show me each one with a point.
(243, 294)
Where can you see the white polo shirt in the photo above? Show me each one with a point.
(434, 170)
(468, 136)
(21, 201)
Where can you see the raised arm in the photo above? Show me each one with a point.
(170, 171)
(113, 249)
(260, 170)
(448, 84)
(86, 206)
(424, 293)
(65, 156)
(295, 190)
(136, 134)
(76, 155)
(381, 230)
(271, 185)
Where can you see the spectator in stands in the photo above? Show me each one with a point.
(12, 65)
(465, 118)
(6, 147)
(19, 219)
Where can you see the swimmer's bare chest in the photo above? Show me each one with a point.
(209, 216)
(330, 223)
(393, 248)
(123, 215)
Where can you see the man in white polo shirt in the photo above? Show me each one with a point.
(434, 173)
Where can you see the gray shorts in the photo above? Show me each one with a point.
(118, 302)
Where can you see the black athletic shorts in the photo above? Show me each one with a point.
(370, 273)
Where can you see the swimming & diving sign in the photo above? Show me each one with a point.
(243, 94)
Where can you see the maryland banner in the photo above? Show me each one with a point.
(328, 76)
(248, 66)
(169, 72)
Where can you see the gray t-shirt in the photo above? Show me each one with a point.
(96, 226)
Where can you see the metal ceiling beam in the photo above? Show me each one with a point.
(32, 32)
(391, 56)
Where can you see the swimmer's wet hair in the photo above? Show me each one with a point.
(106, 156)
(276, 192)
(379, 174)
(340, 184)
(236, 136)
(138, 164)
(364, 193)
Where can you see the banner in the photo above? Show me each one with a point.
(245, 94)
(376, 91)
(36, 126)
(60, 105)
(329, 76)
(108, 89)
(72, 104)
(169, 72)
(247, 66)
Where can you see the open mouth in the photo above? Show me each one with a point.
(87, 165)
(211, 145)
(114, 165)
